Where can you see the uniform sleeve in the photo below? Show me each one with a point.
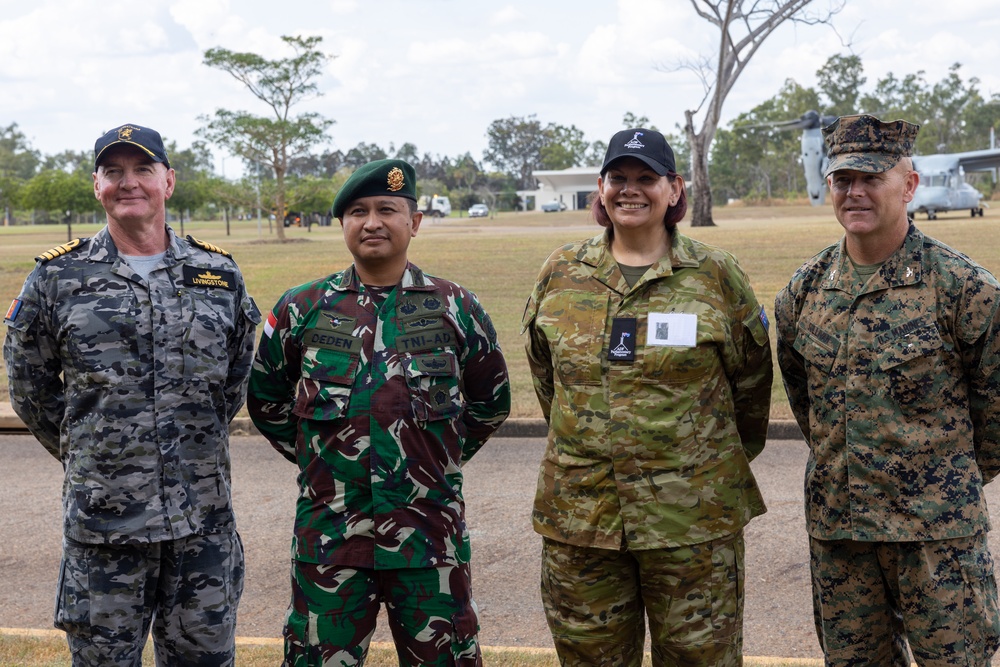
(751, 373)
(241, 346)
(34, 370)
(273, 378)
(978, 324)
(537, 349)
(485, 382)
(791, 363)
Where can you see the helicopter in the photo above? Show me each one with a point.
(942, 184)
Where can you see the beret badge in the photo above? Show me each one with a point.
(395, 179)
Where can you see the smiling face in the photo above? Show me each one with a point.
(634, 195)
(132, 188)
(377, 231)
(873, 206)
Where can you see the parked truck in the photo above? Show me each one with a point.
(435, 206)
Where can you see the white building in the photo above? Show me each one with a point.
(570, 186)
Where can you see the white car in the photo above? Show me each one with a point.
(479, 211)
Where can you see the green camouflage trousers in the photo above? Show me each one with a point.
(597, 602)
(187, 589)
(871, 599)
(432, 616)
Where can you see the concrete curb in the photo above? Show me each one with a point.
(536, 428)
(523, 650)
(512, 428)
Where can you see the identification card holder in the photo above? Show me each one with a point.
(622, 346)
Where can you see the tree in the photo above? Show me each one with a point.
(193, 167)
(59, 192)
(280, 84)
(515, 147)
(563, 147)
(743, 27)
(841, 79)
(18, 163)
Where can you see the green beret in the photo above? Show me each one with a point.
(865, 143)
(393, 178)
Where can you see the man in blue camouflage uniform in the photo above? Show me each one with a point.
(889, 344)
(379, 381)
(128, 355)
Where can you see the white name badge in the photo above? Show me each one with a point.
(672, 329)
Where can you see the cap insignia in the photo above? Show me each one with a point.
(125, 133)
(634, 142)
(395, 179)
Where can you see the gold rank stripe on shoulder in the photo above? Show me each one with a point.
(59, 250)
(211, 247)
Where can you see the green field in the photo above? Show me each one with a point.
(499, 258)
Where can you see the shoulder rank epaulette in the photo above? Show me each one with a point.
(211, 247)
(60, 250)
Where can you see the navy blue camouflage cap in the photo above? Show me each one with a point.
(148, 140)
(393, 178)
(865, 143)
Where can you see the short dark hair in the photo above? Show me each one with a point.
(673, 215)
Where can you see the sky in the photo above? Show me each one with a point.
(436, 73)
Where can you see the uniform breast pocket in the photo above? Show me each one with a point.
(573, 324)
(325, 383)
(819, 352)
(205, 339)
(912, 364)
(102, 339)
(432, 379)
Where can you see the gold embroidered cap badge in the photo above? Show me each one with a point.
(395, 179)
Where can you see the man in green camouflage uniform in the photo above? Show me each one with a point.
(657, 393)
(889, 345)
(379, 381)
(127, 355)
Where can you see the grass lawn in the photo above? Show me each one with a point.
(499, 258)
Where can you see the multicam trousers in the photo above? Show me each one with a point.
(432, 616)
(871, 599)
(597, 602)
(187, 589)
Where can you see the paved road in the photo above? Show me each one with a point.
(500, 483)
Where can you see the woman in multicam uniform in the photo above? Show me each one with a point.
(650, 356)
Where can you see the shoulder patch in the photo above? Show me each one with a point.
(211, 247)
(60, 250)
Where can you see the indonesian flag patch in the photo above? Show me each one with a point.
(269, 325)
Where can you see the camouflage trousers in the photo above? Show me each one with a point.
(432, 616)
(871, 599)
(187, 590)
(597, 603)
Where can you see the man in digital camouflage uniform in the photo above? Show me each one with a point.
(379, 381)
(889, 343)
(128, 354)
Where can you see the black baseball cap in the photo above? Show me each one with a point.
(646, 145)
(148, 140)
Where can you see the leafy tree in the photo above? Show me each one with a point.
(743, 27)
(280, 84)
(841, 79)
(56, 191)
(515, 147)
(70, 161)
(18, 163)
(193, 167)
(564, 147)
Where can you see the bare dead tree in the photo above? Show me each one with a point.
(743, 27)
